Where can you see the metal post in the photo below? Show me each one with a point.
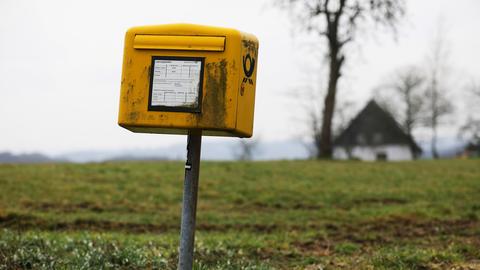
(189, 208)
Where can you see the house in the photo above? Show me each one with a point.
(375, 135)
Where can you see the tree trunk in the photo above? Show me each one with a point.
(408, 129)
(326, 148)
(434, 142)
(435, 115)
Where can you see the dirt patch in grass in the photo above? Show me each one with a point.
(260, 206)
(391, 230)
(369, 202)
(381, 201)
(257, 228)
(384, 230)
(62, 207)
(411, 227)
(82, 206)
(29, 222)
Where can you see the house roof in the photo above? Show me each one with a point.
(374, 126)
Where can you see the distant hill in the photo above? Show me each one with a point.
(7, 157)
(211, 150)
(446, 147)
(136, 158)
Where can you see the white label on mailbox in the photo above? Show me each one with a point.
(176, 83)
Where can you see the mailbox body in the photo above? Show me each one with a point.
(225, 61)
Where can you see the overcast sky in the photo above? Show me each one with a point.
(60, 64)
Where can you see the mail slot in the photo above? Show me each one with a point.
(181, 77)
(188, 43)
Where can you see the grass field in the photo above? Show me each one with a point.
(251, 215)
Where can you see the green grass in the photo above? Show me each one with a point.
(251, 215)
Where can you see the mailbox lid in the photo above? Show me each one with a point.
(183, 29)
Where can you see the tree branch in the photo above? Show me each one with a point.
(339, 11)
(345, 41)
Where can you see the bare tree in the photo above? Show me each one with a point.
(342, 117)
(404, 97)
(470, 131)
(337, 22)
(438, 104)
(246, 149)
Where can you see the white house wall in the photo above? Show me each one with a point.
(369, 153)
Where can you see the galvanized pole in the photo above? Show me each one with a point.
(189, 208)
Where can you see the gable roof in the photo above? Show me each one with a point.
(374, 126)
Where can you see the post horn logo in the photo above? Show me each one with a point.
(251, 67)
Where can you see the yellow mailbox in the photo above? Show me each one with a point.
(182, 77)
